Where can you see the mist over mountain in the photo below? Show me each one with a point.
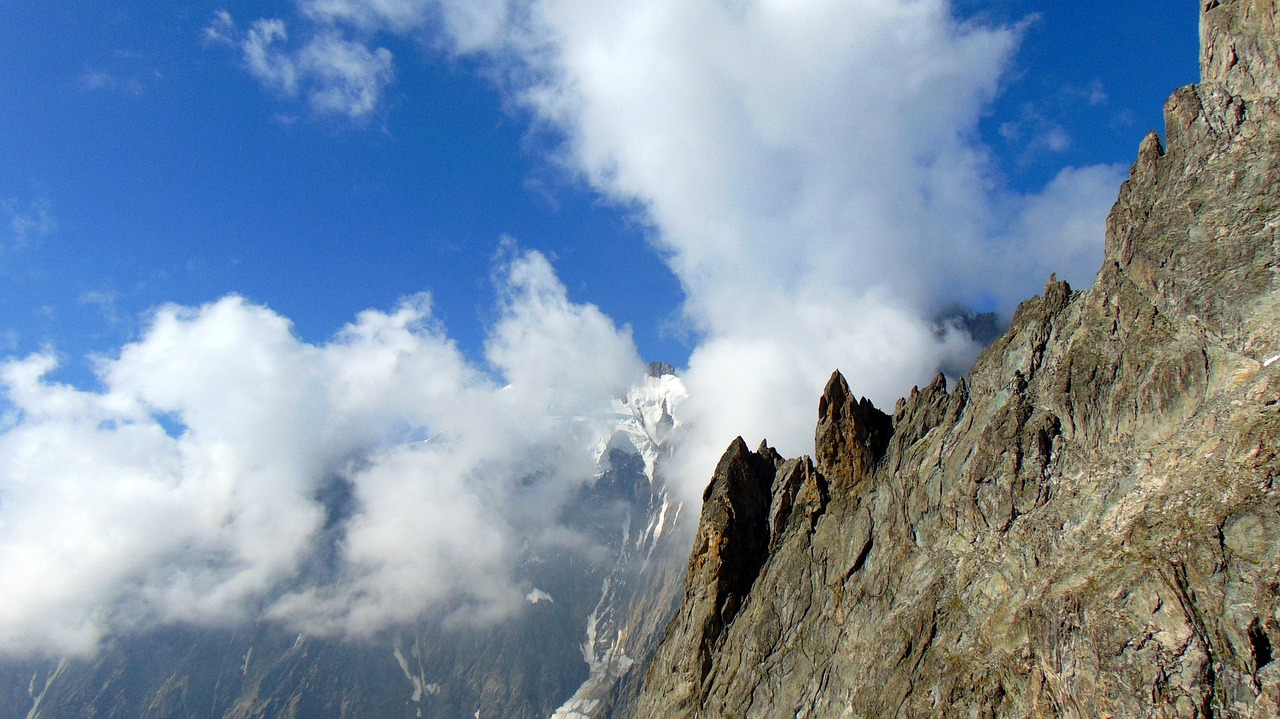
(218, 469)
(1072, 513)
(595, 585)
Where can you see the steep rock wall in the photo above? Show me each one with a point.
(1089, 526)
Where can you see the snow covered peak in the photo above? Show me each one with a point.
(653, 405)
(644, 420)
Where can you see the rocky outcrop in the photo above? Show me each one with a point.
(851, 435)
(1086, 526)
(1240, 46)
(729, 549)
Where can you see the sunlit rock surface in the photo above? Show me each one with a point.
(1088, 526)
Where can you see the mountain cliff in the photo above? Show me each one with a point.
(1086, 526)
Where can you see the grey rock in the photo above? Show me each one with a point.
(731, 545)
(1087, 526)
(1240, 46)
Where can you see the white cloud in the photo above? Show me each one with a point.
(337, 75)
(188, 488)
(815, 174)
(270, 65)
(1059, 230)
(348, 78)
(765, 385)
(815, 177)
(221, 30)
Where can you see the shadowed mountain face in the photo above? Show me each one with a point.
(592, 606)
(1088, 526)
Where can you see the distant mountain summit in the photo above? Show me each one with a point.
(591, 613)
(660, 369)
(1086, 526)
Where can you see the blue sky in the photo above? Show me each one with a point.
(164, 172)
(167, 176)
(250, 249)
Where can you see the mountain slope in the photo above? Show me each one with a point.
(589, 610)
(1089, 526)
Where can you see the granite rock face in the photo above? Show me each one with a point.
(1087, 526)
(1240, 46)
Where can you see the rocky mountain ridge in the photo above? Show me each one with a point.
(1086, 526)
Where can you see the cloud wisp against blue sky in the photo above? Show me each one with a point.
(198, 197)
(336, 75)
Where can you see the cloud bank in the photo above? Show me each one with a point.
(191, 486)
(813, 175)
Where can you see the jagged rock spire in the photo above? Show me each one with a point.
(851, 434)
(731, 545)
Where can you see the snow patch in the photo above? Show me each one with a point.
(418, 680)
(603, 675)
(643, 421)
(37, 698)
(537, 595)
(607, 663)
(593, 627)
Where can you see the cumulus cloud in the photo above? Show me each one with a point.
(192, 486)
(815, 179)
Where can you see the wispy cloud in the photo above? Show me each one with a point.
(337, 76)
(1039, 129)
(28, 220)
(107, 303)
(96, 80)
(1092, 94)
(1036, 133)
